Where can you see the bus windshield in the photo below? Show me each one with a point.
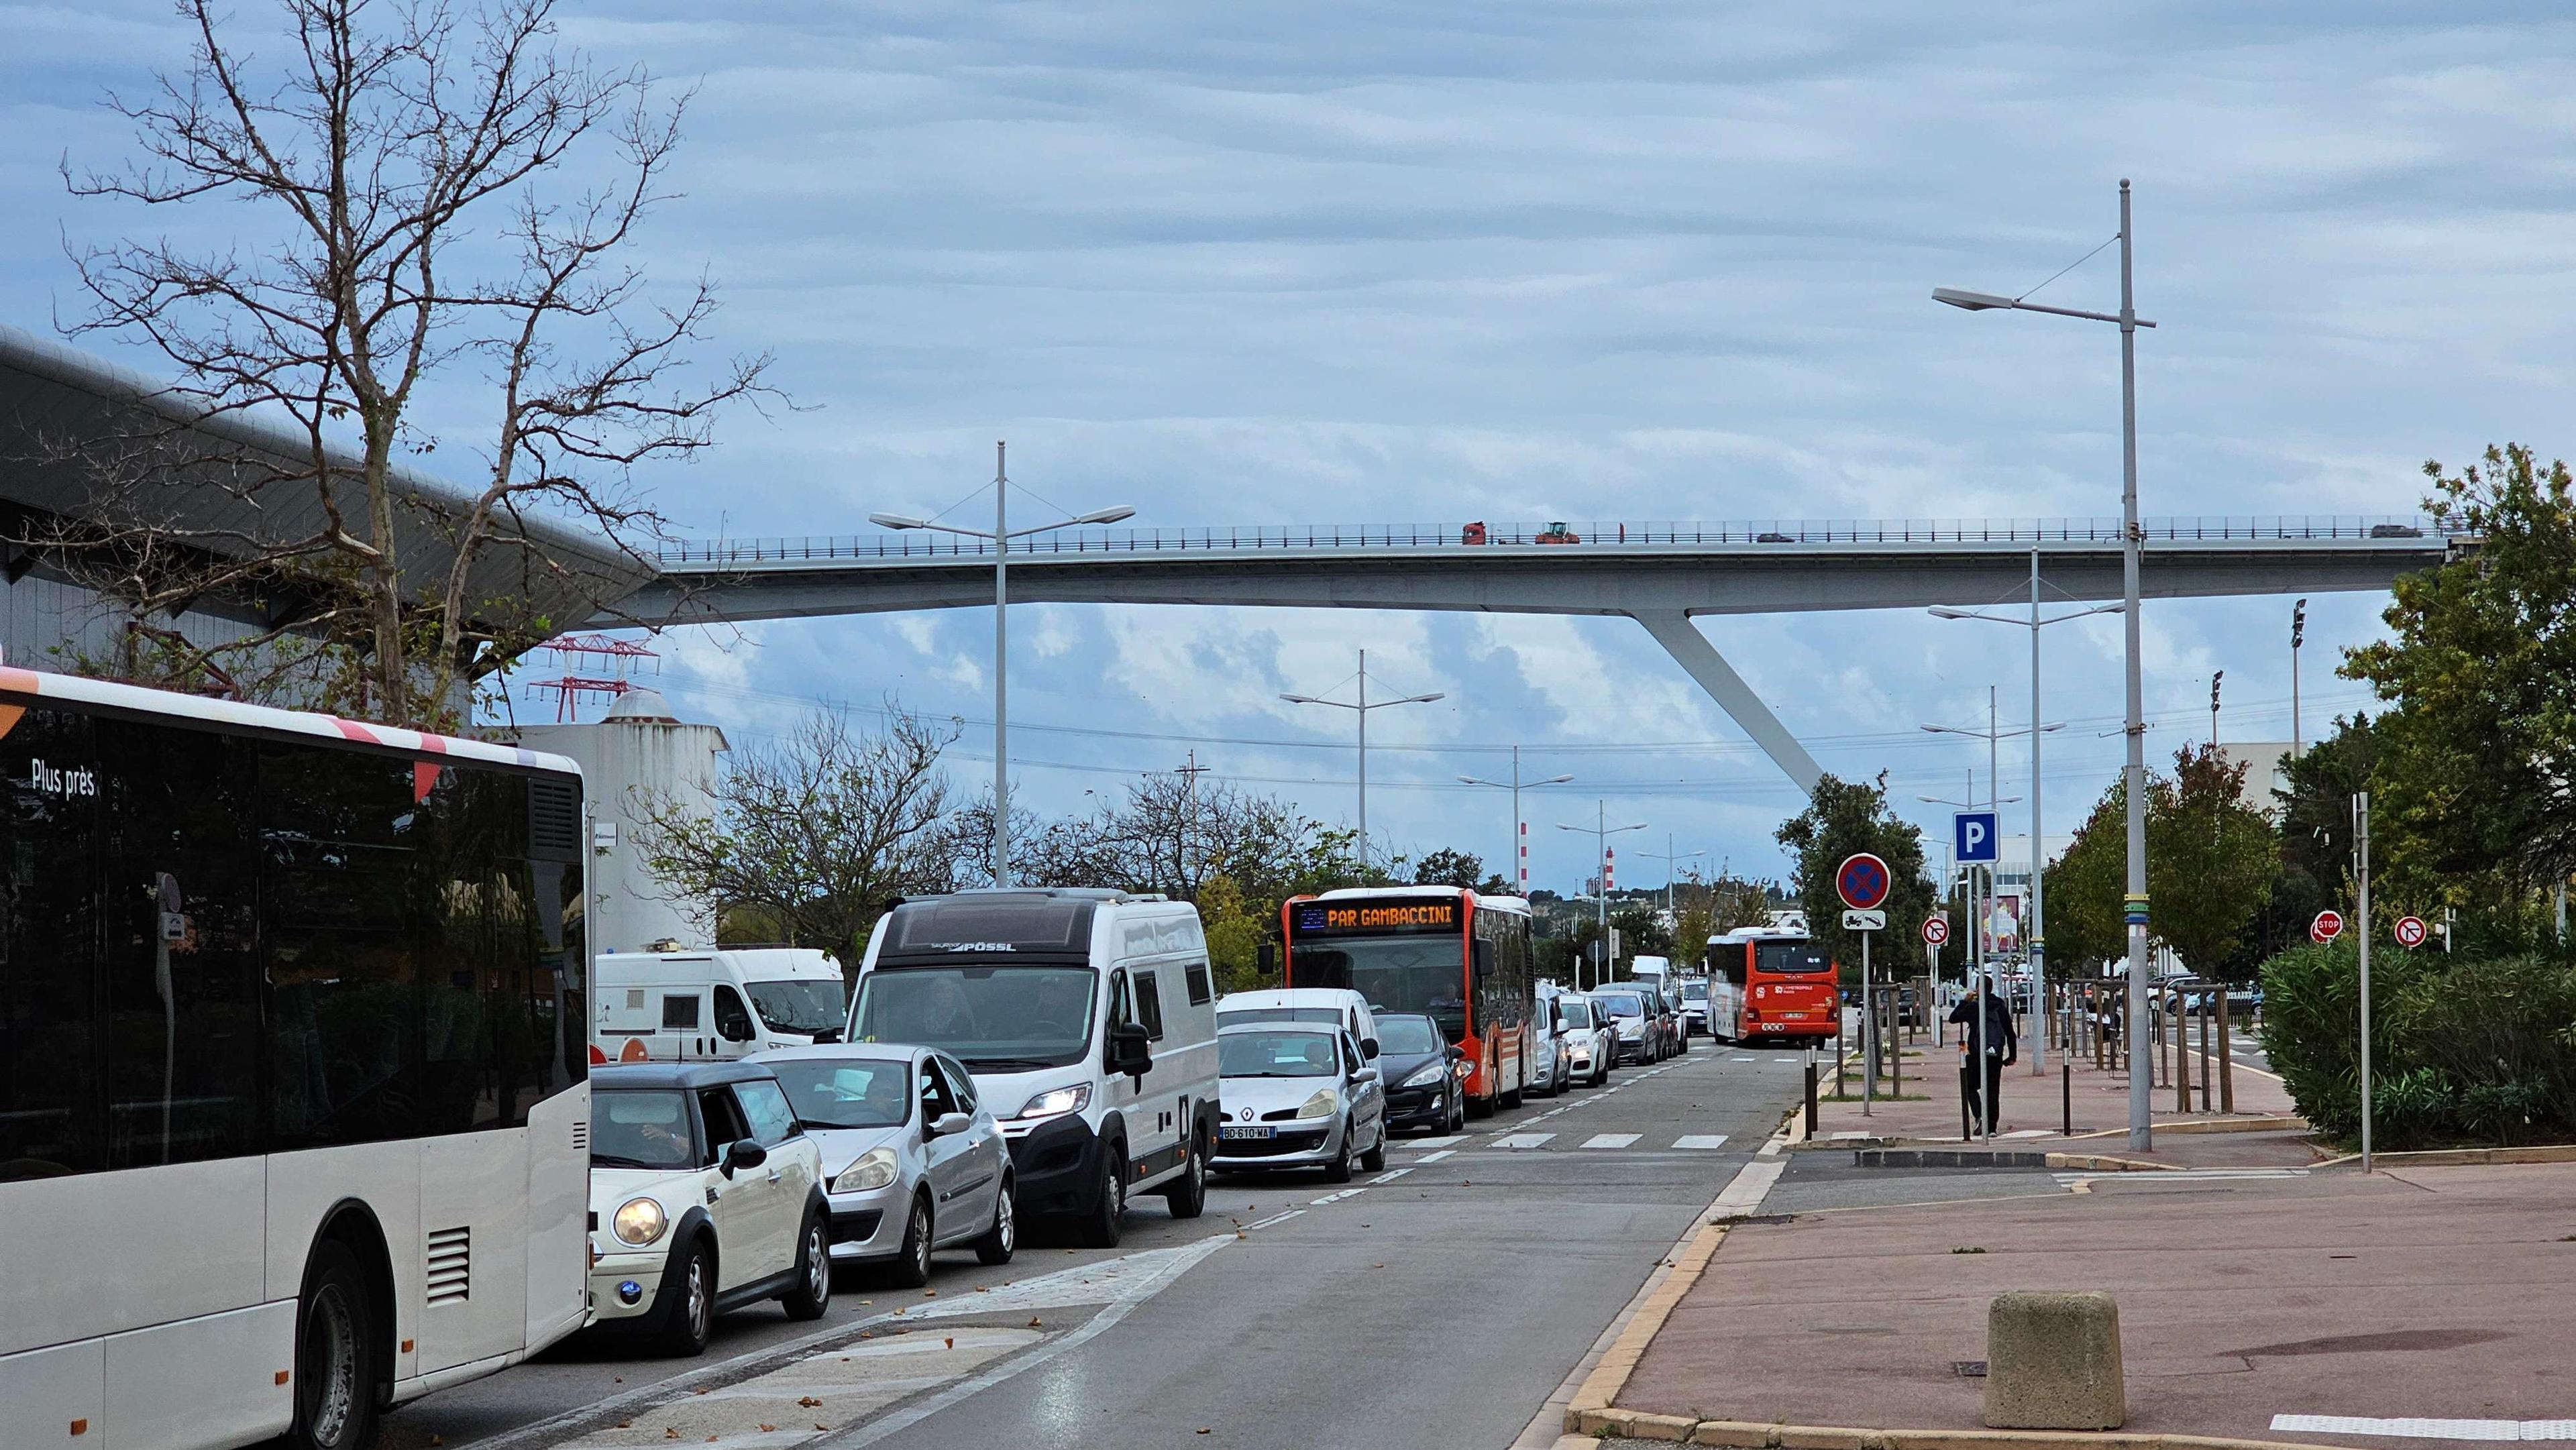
(642, 1130)
(1425, 974)
(1790, 956)
(994, 1018)
(1275, 1054)
(804, 1005)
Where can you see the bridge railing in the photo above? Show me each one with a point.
(912, 544)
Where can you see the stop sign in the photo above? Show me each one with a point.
(2327, 926)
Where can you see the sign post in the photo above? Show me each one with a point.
(1863, 882)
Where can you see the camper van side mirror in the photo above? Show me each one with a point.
(1131, 1052)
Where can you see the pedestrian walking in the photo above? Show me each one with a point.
(1987, 1045)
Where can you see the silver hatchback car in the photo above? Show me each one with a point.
(912, 1162)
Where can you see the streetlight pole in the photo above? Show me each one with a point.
(1000, 538)
(2132, 551)
(2034, 931)
(1671, 861)
(1362, 710)
(1601, 831)
(1520, 827)
(2298, 633)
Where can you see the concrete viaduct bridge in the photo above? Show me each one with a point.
(1660, 574)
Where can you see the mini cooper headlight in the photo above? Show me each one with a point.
(875, 1169)
(1321, 1105)
(638, 1221)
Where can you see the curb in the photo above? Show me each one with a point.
(2105, 1163)
(1655, 1302)
(1596, 1425)
(2465, 1157)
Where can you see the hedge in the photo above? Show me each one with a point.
(2463, 1049)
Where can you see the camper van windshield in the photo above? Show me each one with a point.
(992, 1018)
(803, 1005)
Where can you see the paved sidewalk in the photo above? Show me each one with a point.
(2035, 1111)
(2427, 1292)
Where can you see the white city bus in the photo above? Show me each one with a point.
(293, 1119)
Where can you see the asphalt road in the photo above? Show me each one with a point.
(1438, 1304)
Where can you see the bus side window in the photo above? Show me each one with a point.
(1732, 963)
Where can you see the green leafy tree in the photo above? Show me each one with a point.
(1447, 867)
(2086, 885)
(2210, 859)
(2477, 767)
(1843, 817)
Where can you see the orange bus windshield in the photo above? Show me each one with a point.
(1419, 973)
(1790, 957)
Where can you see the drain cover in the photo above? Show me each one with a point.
(1968, 1369)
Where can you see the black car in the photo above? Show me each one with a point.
(1419, 1065)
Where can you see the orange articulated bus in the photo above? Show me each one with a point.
(1772, 984)
(1460, 957)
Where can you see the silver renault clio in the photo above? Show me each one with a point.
(911, 1160)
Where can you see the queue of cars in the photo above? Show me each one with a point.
(1006, 1056)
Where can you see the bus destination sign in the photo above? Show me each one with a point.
(1336, 918)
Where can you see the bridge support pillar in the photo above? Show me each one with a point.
(1691, 650)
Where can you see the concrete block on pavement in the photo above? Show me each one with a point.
(2053, 1362)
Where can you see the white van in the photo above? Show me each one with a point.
(1088, 1020)
(1338, 1005)
(714, 1002)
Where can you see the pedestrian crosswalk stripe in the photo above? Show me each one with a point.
(1611, 1140)
(1449, 1140)
(1523, 1140)
(1700, 1140)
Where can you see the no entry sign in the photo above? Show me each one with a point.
(2327, 926)
(2410, 931)
(1936, 930)
(1863, 880)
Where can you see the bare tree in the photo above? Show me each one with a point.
(1173, 836)
(816, 834)
(407, 170)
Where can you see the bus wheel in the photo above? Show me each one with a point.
(335, 1390)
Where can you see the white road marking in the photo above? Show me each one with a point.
(1100, 1323)
(2411, 1428)
(1744, 1059)
(1335, 1197)
(1447, 1140)
(1611, 1140)
(1523, 1140)
(1391, 1175)
(1700, 1140)
(1435, 1157)
(1274, 1218)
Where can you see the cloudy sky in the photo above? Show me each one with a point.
(1258, 263)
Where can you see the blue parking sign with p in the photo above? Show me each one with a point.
(1973, 837)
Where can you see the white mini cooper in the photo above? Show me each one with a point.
(705, 1195)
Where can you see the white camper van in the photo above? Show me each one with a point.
(713, 1002)
(1088, 1021)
